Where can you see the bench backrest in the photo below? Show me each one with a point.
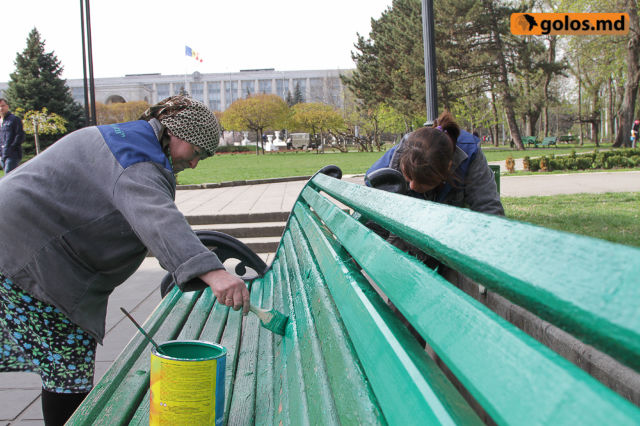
(586, 286)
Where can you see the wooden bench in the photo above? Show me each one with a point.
(549, 140)
(530, 140)
(347, 358)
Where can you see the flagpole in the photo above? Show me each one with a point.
(185, 72)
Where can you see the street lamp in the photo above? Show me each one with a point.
(429, 61)
(89, 101)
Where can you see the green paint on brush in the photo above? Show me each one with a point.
(272, 320)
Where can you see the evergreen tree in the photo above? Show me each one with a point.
(297, 95)
(289, 99)
(36, 84)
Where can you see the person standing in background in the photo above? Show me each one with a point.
(11, 138)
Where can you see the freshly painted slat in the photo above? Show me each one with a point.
(264, 372)
(242, 409)
(321, 404)
(355, 401)
(581, 284)
(484, 351)
(391, 357)
(296, 388)
(135, 362)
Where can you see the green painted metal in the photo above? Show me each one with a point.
(496, 175)
(127, 379)
(407, 383)
(354, 399)
(581, 284)
(483, 351)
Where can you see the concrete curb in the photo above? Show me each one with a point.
(251, 182)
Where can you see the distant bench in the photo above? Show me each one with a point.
(567, 138)
(347, 358)
(549, 140)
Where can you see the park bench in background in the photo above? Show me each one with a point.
(347, 358)
(549, 140)
(567, 138)
(530, 140)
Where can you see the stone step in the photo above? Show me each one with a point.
(246, 230)
(237, 218)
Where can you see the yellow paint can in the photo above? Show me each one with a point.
(187, 383)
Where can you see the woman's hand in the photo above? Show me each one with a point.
(228, 288)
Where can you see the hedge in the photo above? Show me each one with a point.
(619, 158)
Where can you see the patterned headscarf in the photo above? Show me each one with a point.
(189, 120)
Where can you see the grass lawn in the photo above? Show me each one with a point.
(229, 167)
(612, 216)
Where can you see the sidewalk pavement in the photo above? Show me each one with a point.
(20, 392)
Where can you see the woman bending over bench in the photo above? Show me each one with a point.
(77, 221)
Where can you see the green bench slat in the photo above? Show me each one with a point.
(128, 377)
(231, 340)
(407, 383)
(242, 409)
(291, 399)
(567, 284)
(486, 353)
(312, 364)
(264, 411)
(355, 403)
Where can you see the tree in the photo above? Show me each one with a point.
(36, 84)
(42, 122)
(298, 97)
(119, 112)
(256, 113)
(316, 118)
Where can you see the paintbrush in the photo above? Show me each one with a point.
(272, 320)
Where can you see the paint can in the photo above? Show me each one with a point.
(187, 383)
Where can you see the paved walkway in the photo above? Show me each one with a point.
(20, 392)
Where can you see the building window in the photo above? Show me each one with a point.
(230, 93)
(335, 91)
(264, 86)
(197, 91)
(178, 88)
(282, 87)
(214, 96)
(248, 88)
(78, 94)
(316, 86)
(163, 91)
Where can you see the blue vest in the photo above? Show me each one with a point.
(134, 142)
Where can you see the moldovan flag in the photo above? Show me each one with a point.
(190, 52)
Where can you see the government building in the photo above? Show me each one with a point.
(218, 90)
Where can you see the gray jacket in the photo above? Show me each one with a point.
(76, 221)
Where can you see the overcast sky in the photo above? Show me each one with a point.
(147, 36)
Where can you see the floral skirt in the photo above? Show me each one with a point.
(37, 337)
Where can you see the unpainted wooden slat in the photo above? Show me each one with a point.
(264, 409)
(243, 400)
(354, 399)
(407, 383)
(484, 351)
(312, 364)
(574, 282)
(231, 341)
(134, 362)
(292, 408)
(199, 314)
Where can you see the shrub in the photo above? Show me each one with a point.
(571, 163)
(544, 164)
(526, 163)
(534, 166)
(584, 163)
